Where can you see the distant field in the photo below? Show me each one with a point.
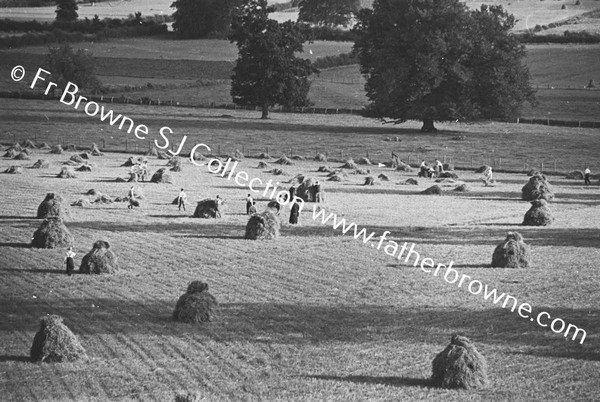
(520, 146)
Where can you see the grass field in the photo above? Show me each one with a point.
(311, 316)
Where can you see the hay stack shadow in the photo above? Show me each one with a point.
(196, 305)
(460, 365)
(52, 233)
(100, 260)
(55, 342)
(511, 253)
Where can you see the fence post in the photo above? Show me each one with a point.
(126, 145)
(554, 165)
(471, 161)
(342, 151)
(219, 150)
(267, 150)
(542, 167)
(368, 155)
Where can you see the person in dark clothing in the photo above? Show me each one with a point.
(292, 193)
(317, 189)
(586, 176)
(69, 260)
(249, 203)
(252, 209)
(294, 213)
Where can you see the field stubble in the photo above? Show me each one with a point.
(311, 316)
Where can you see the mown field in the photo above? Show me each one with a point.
(310, 316)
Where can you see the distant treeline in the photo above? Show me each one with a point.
(43, 33)
(36, 3)
(566, 37)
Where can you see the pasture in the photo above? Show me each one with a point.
(313, 315)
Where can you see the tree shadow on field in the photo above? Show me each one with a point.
(371, 380)
(302, 323)
(37, 271)
(16, 217)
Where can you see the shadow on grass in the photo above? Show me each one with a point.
(15, 245)
(37, 271)
(365, 379)
(16, 217)
(10, 358)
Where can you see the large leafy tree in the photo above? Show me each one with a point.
(267, 72)
(77, 67)
(66, 10)
(328, 12)
(199, 18)
(436, 60)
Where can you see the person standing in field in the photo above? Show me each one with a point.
(249, 203)
(292, 191)
(487, 176)
(252, 209)
(69, 261)
(219, 201)
(318, 195)
(294, 213)
(586, 175)
(181, 199)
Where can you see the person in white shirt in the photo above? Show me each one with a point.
(249, 203)
(181, 199)
(586, 174)
(69, 260)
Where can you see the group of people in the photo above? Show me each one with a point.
(431, 171)
(139, 171)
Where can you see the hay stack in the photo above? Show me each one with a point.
(85, 155)
(324, 169)
(177, 165)
(264, 155)
(92, 191)
(196, 305)
(263, 226)
(364, 161)
(462, 188)
(174, 161)
(207, 209)
(82, 202)
(263, 165)
(14, 169)
(28, 144)
(56, 149)
(321, 158)
(511, 253)
(383, 177)
(52, 233)
(412, 182)
(362, 171)
(433, 190)
(11, 153)
(404, 167)
(188, 396)
(76, 158)
(349, 165)
(95, 151)
(22, 156)
(199, 157)
(537, 188)
(284, 160)
(41, 164)
(45, 146)
(575, 175)
(460, 365)
(533, 172)
(66, 173)
(16, 147)
(161, 176)
(237, 155)
(369, 181)
(448, 175)
(482, 169)
(53, 206)
(337, 176)
(100, 260)
(538, 215)
(152, 152)
(277, 172)
(131, 161)
(84, 168)
(298, 157)
(54, 342)
(71, 147)
(103, 199)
